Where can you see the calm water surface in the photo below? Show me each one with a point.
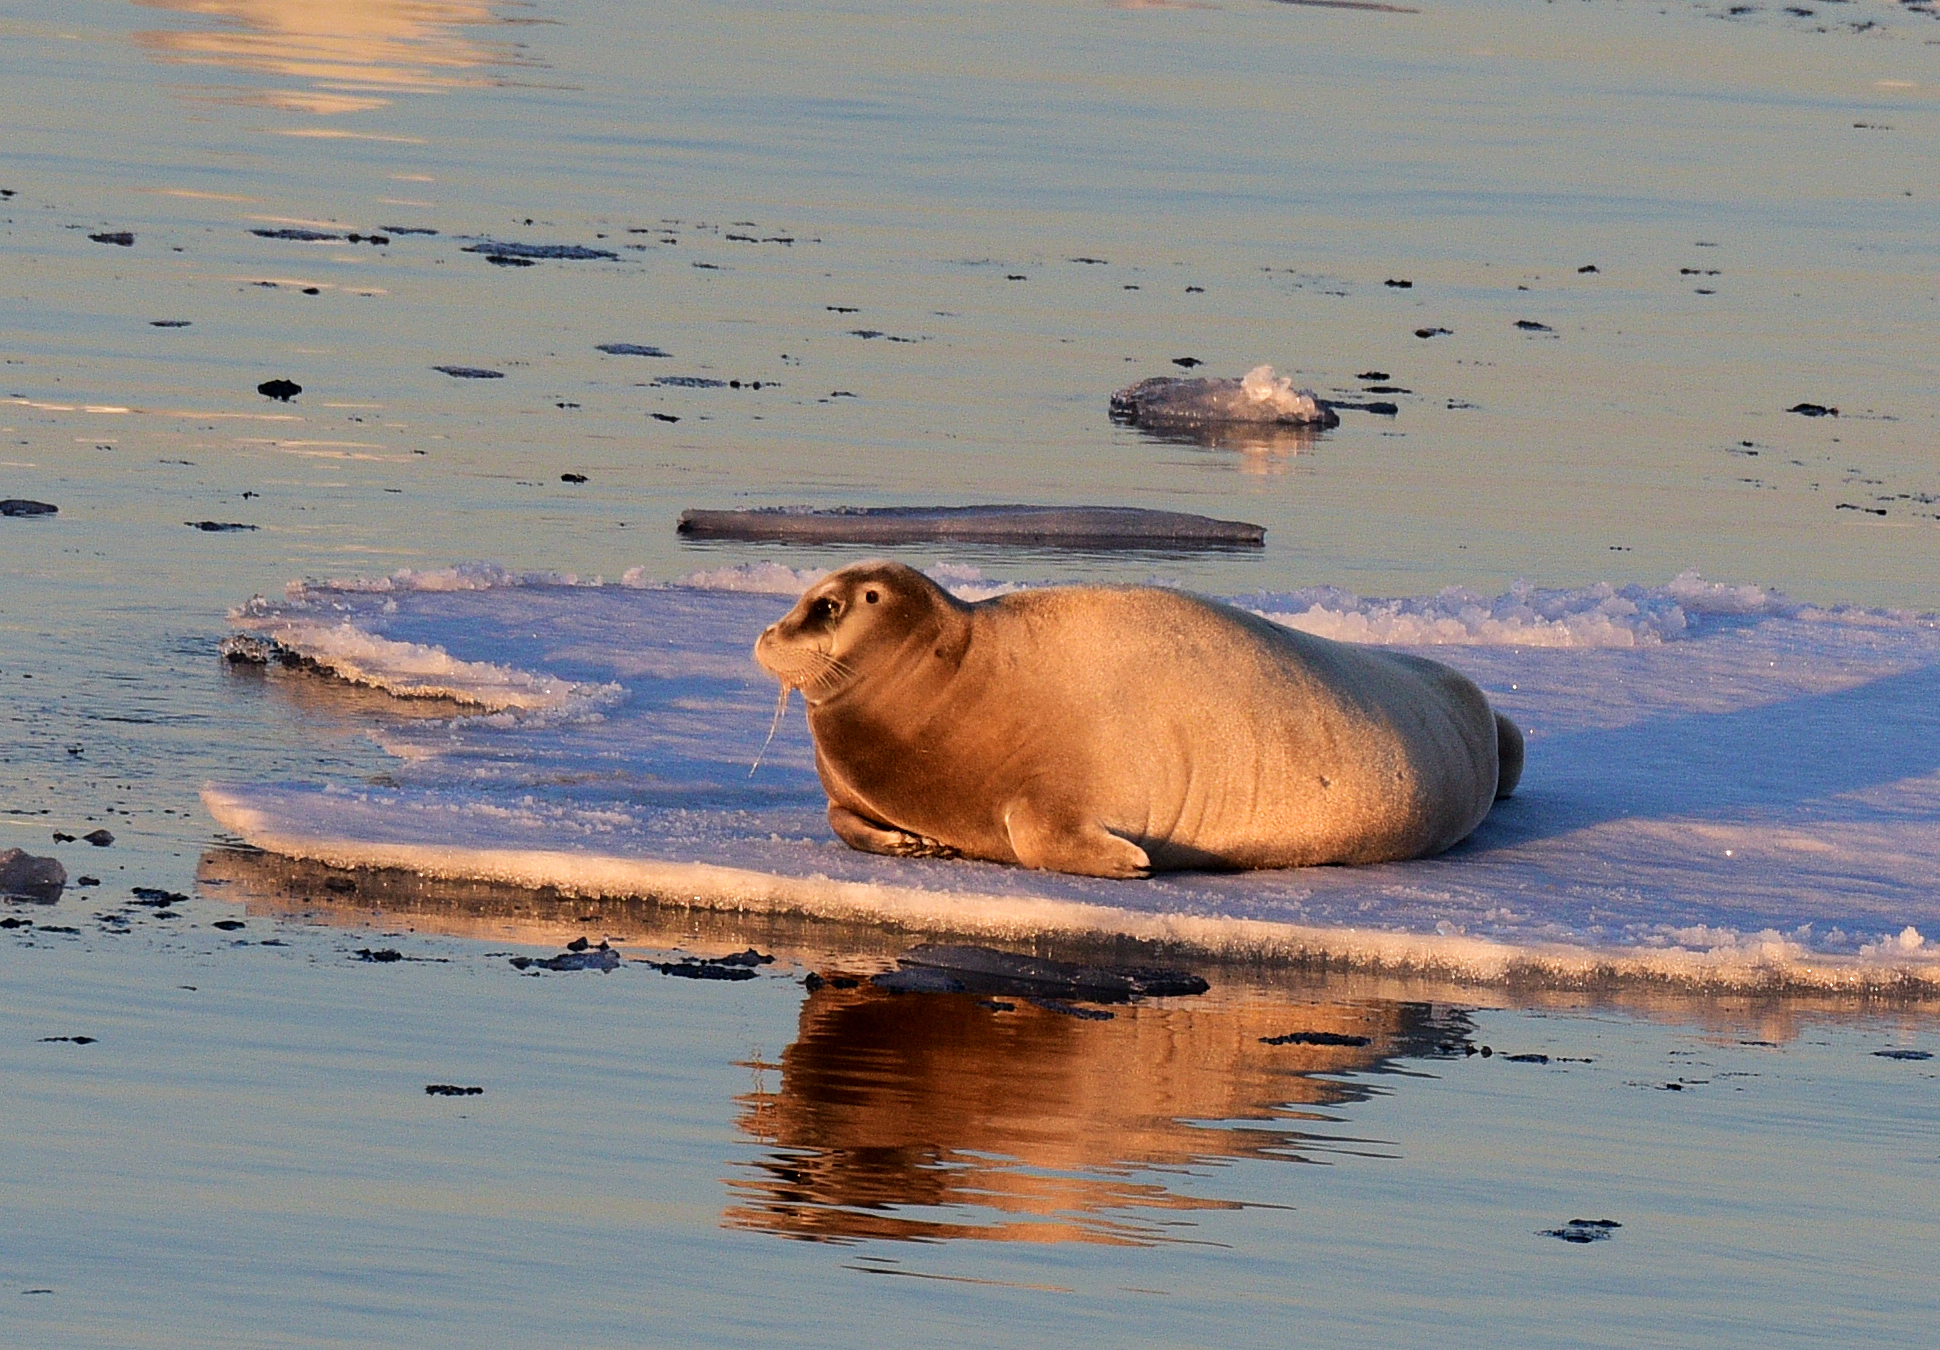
(937, 236)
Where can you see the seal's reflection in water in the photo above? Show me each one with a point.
(940, 1116)
(937, 1116)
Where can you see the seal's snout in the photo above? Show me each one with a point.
(764, 649)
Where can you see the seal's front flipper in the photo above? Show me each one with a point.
(867, 836)
(1066, 843)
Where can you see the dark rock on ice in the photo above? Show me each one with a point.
(1315, 1038)
(281, 390)
(494, 250)
(21, 873)
(469, 372)
(631, 349)
(814, 981)
(1582, 1230)
(1257, 398)
(99, 838)
(21, 506)
(983, 970)
(1064, 1009)
(577, 957)
(121, 237)
(1058, 526)
(695, 968)
(451, 1090)
(219, 526)
(1813, 410)
(748, 957)
(919, 981)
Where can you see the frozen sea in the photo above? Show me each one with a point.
(1650, 290)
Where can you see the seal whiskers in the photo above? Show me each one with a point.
(781, 711)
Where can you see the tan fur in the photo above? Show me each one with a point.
(1116, 731)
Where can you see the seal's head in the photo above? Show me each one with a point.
(857, 622)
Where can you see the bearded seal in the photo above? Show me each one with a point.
(1118, 731)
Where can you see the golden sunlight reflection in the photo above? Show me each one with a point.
(348, 55)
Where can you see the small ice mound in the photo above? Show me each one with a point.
(757, 578)
(415, 670)
(476, 576)
(1259, 397)
(969, 583)
(1526, 616)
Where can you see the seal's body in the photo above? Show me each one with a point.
(1118, 731)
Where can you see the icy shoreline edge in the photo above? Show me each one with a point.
(1763, 964)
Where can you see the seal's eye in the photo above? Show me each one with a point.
(871, 597)
(825, 608)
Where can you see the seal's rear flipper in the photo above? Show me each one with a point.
(1069, 844)
(1508, 756)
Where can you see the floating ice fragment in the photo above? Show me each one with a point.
(1258, 397)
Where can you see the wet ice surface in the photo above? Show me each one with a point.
(1723, 786)
(906, 268)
